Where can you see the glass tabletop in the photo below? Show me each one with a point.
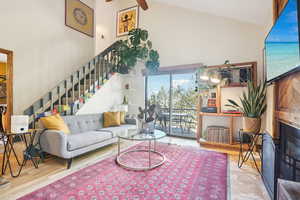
(144, 136)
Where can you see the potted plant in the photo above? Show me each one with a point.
(252, 106)
(137, 47)
(147, 124)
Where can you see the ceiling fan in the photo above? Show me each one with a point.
(141, 3)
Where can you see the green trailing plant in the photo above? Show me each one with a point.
(253, 102)
(137, 47)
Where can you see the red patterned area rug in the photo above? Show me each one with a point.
(189, 173)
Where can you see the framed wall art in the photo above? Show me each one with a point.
(127, 19)
(80, 17)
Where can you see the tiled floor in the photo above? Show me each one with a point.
(245, 183)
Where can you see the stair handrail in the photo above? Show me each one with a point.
(107, 64)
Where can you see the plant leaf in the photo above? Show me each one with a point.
(149, 43)
(144, 35)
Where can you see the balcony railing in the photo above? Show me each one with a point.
(180, 122)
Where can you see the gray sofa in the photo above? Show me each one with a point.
(87, 134)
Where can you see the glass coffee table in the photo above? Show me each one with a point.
(141, 159)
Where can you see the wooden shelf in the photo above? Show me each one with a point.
(232, 117)
(220, 114)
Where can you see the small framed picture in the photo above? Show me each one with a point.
(127, 20)
(79, 17)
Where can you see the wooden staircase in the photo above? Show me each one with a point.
(71, 94)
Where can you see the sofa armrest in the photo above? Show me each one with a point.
(54, 142)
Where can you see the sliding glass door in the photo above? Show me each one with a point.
(183, 104)
(158, 93)
(175, 95)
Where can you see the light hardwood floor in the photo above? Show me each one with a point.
(245, 183)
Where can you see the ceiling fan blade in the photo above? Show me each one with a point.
(143, 4)
(108, 0)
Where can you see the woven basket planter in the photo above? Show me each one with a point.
(251, 125)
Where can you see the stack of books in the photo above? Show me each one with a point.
(231, 112)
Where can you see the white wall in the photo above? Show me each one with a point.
(105, 15)
(45, 50)
(109, 95)
(184, 36)
(136, 93)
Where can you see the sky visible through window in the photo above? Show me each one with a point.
(185, 81)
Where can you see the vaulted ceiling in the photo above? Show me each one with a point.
(253, 11)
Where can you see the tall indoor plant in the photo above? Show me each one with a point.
(137, 47)
(253, 106)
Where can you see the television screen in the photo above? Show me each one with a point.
(282, 43)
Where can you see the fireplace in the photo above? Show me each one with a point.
(281, 158)
(289, 153)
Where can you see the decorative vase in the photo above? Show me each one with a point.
(151, 127)
(251, 125)
(148, 127)
(140, 125)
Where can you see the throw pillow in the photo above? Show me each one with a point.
(111, 119)
(55, 122)
(122, 117)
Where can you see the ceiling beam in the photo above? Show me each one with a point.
(143, 4)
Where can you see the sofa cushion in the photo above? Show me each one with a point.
(78, 141)
(116, 130)
(55, 122)
(83, 123)
(111, 119)
(122, 117)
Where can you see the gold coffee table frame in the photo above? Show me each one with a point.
(150, 137)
